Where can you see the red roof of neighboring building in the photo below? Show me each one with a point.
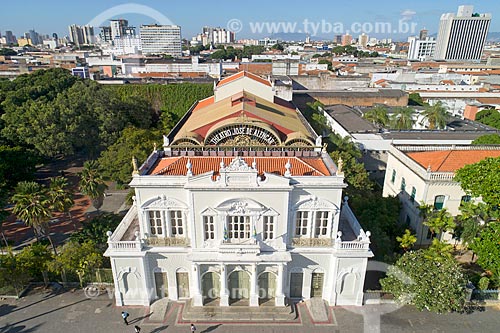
(450, 160)
(243, 74)
(300, 166)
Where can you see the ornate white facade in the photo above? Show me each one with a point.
(247, 224)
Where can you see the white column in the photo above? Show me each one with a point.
(254, 296)
(280, 296)
(197, 297)
(224, 296)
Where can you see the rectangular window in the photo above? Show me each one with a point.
(176, 223)
(439, 202)
(268, 227)
(239, 227)
(321, 224)
(393, 177)
(301, 223)
(466, 198)
(413, 193)
(403, 184)
(209, 226)
(155, 222)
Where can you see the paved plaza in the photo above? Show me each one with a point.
(71, 311)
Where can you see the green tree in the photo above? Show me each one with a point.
(403, 118)
(61, 196)
(488, 139)
(439, 251)
(436, 116)
(439, 221)
(378, 116)
(436, 286)
(487, 249)
(115, 160)
(415, 99)
(96, 228)
(32, 205)
(92, 184)
(35, 259)
(327, 62)
(481, 179)
(13, 273)
(490, 117)
(80, 259)
(7, 52)
(407, 240)
(16, 164)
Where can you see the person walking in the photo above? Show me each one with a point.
(137, 329)
(125, 316)
(193, 328)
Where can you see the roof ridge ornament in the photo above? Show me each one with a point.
(288, 166)
(189, 165)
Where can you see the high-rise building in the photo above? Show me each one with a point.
(10, 38)
(421, 50)
(363, 40)
(337, 39)
(105, 35)
(216, 36)
(33, 36)
(346, 40)
(118, 28)
(423, 34)
(462, 36)
(129, 31)
(81, 35)
(161, 39)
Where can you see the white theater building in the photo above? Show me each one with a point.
(241, 205)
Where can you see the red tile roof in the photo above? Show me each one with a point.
(205, 102)
(240, 75)
(450, 160)
(300, 166)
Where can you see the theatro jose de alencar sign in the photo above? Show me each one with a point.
(255, 133)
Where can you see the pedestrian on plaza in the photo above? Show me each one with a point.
(193, 328)
(125, 316)
(137, 329)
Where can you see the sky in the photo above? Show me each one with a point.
(250, 19)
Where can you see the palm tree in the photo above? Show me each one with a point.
(61, 197)
(407, 240)
(32, 205)
(91, 183)
(378, 116)
(403, 118)
(436, 116)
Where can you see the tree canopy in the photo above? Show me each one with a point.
(487, 248)
(482, 179)
(490, 117)
(436, 286)
(488, 139)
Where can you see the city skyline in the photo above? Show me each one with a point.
(56, 16)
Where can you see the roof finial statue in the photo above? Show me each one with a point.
(340, 165)
(288, 166)
(166, 141)
(154, 146)
(429, 169)
(189, 166)
(134, 165)
(222, 165)
(254, 164)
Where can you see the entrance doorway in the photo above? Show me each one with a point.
(317, 285)
(182, 285)
(296, 285)
(210, 286)
(267, 286)
(161, 284)
(239, 285)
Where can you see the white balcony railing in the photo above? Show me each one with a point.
(125, 246)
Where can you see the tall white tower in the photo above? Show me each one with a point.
(462, 36)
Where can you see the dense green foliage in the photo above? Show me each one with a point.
(115, 162)
(415, 99)
(482, 179)
(488, 139)
(380, 216)
(168, 102)
(7, 52)
(487, 248)
(490, 117)
(96, 228)
(92, 183)
(433, 285)
(352, 50)
(230, 53)
(16, 164)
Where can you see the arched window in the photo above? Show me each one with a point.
(439, 202)
(403, 184)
